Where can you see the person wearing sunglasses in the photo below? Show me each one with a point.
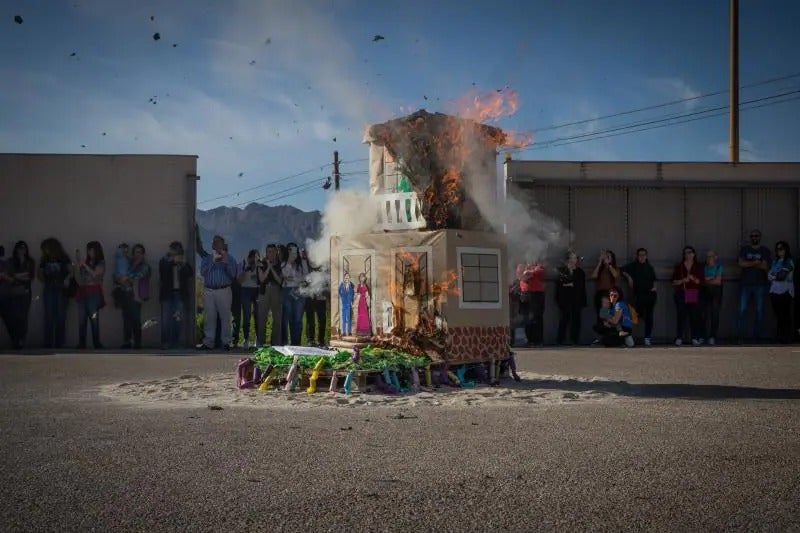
(754, 261)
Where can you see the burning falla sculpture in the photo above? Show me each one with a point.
(427, 170)
(444, 159)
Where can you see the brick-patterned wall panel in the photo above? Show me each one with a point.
(478, 343)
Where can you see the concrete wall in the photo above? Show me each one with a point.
(147, 199)
(662, 207)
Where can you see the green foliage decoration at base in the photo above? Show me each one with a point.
(370, 359)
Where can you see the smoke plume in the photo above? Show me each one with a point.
(531, 234)
(345, 213)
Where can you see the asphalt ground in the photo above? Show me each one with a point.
(689, 439)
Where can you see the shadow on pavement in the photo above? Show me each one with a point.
(662, 390)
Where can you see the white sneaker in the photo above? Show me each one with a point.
(678, 342)
(647, 341)
(696, 342)
(629, 341)
(712, 341)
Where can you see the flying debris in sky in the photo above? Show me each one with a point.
(425, 97)
(104, 134)
(241, 174)
(73, 54)
(327, 184)
(152, 17)
(378, 38)
(252, 62)
(156, 36)
(267, 41)
(174, 45)
(18, 19)
(83, 146)
(334, 139)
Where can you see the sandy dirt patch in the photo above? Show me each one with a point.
(219, 390)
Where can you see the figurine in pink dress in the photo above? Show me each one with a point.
(364, 322)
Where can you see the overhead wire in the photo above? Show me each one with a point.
(279, 180)
(270, 182)
(666, 104)
(655, 123)
(718, 114)
(309, 185)
(632, 127)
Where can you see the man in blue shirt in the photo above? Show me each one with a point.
(754, 260)
(219, 270)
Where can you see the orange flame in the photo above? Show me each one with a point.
(445, 147)
(448, 284)
(488, 107)
(517, 139)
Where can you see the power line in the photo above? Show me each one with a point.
(279, 180)
(269, 197)
(293, 193)
(354, 173)
(550, 142)
(660, 123)
(718, 114)
(271, 182)
(665, 104)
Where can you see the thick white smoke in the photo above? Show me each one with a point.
(345, 213)
(531, 235)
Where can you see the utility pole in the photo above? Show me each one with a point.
(734, 117)
(336, 175)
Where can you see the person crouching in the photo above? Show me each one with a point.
(615, 324)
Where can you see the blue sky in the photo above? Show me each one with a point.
(259, 89)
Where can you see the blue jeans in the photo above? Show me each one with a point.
(249, 307)
(746, 293)
(55, 315)
(89, 311)
(347, 320)
(293, 307)
(173, 315)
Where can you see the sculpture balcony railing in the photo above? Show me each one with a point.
(399, 211)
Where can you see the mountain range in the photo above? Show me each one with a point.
(257, 225)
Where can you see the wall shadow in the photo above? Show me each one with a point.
(661, 390)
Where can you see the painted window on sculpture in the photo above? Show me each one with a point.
(479, 280)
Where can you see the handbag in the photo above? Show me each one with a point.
(691, 296)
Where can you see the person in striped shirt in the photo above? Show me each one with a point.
(218, 270)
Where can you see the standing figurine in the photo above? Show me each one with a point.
(363, 323)
(346, 294)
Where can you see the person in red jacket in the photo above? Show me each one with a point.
(687, 277)
(531, 300)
